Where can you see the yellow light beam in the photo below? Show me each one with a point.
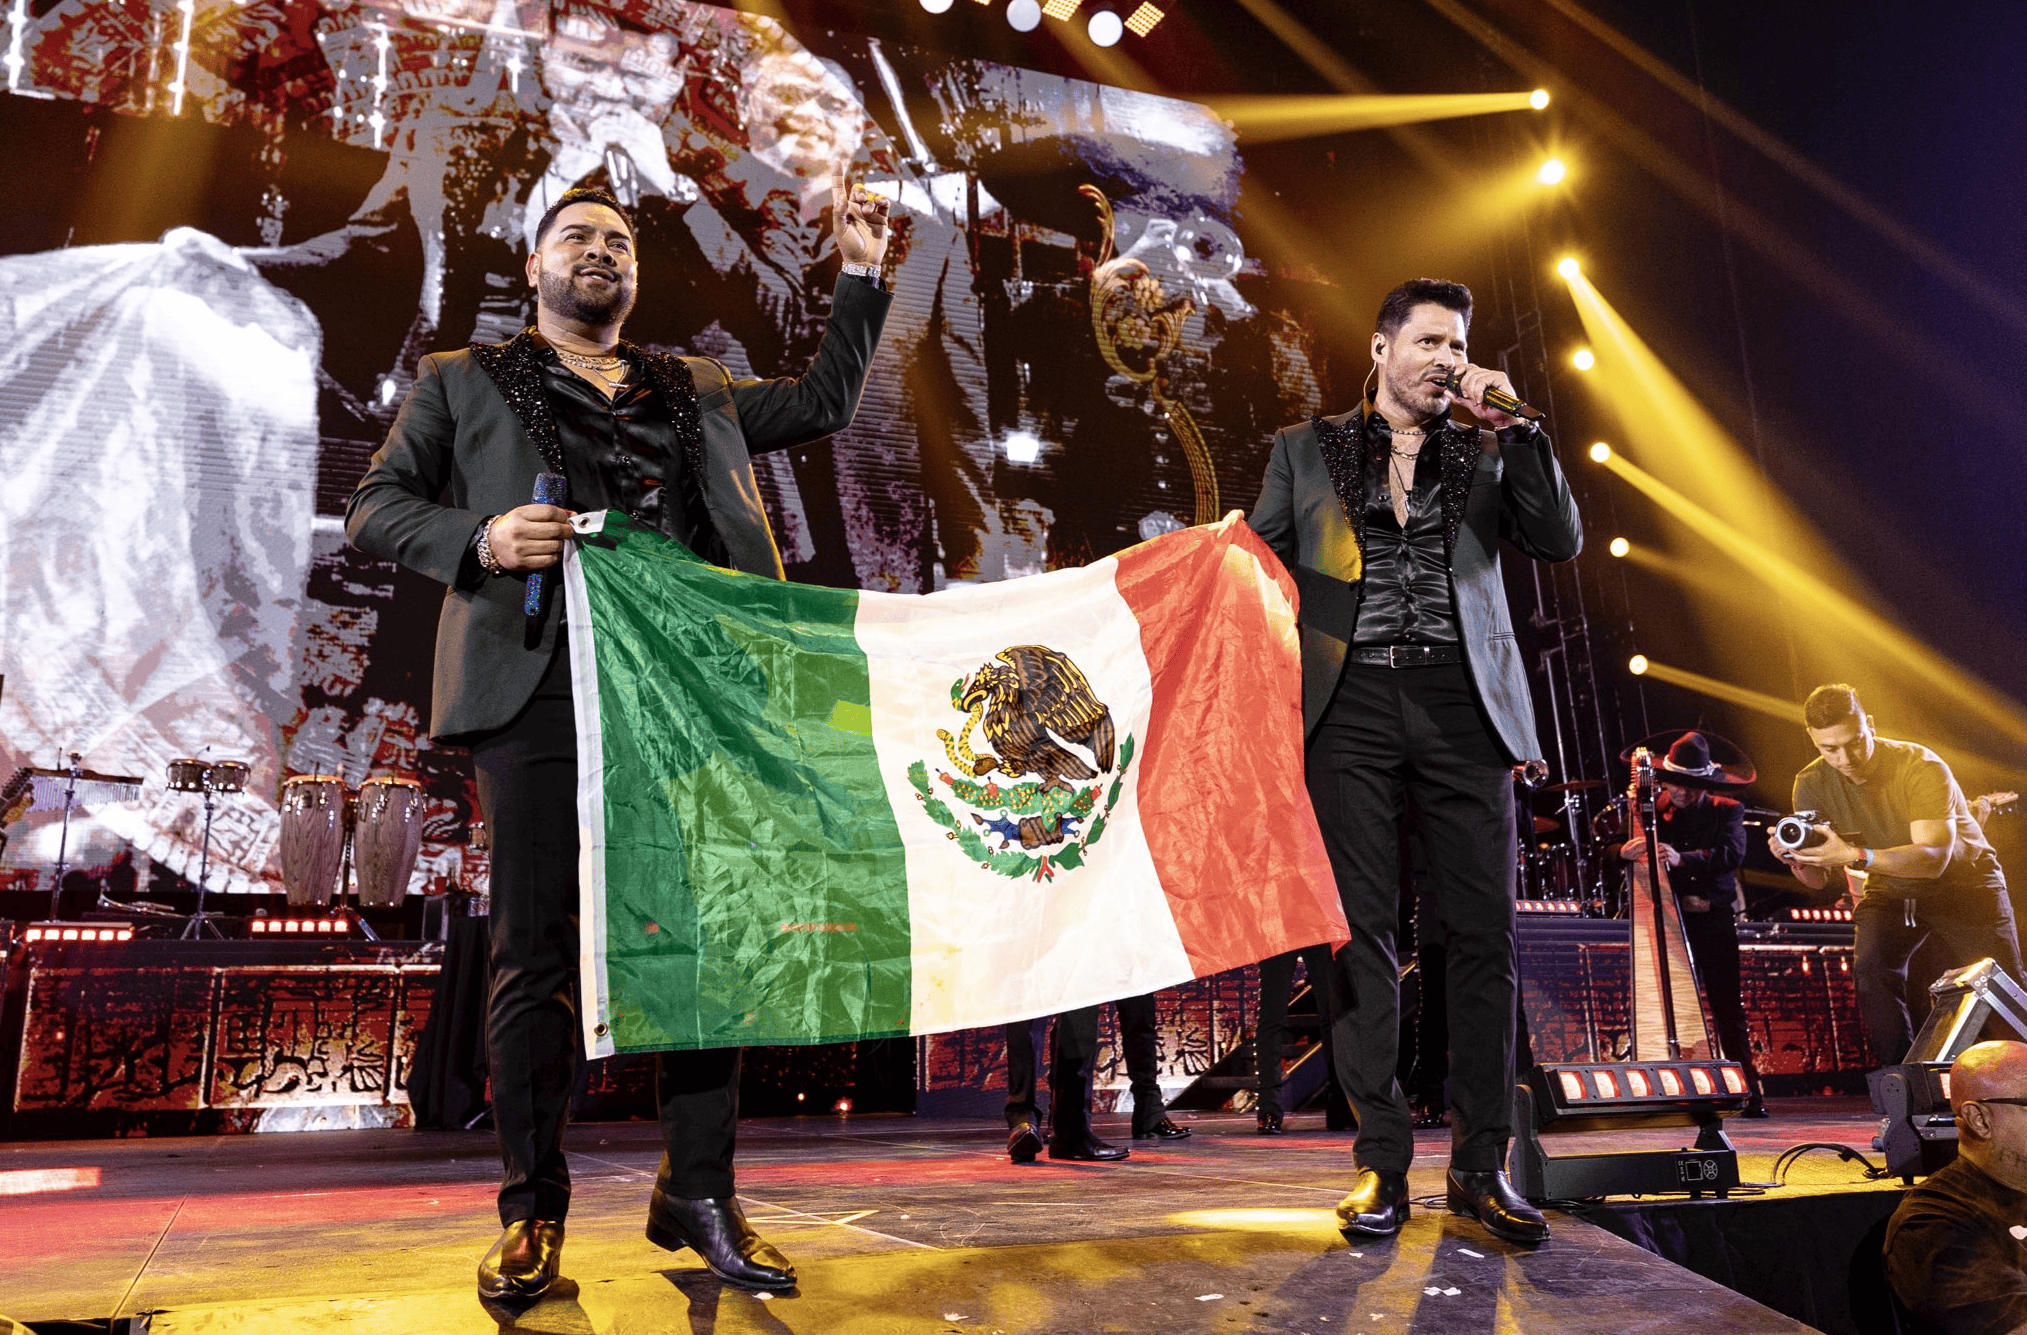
(1787, 711)
(1803, 590)
(1727, 211)
(1339, 74)
(1265, 119)
(1968, 281)
(1685, 444)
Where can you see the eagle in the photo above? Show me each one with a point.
(1034, 700)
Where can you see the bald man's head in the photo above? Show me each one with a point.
(1996, 1070)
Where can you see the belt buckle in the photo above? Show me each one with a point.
(1394, 655)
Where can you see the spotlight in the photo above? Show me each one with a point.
(1538, 98)
(1620, 547)
(1600, 452)
(1551, 171)
(1023, 447)
(1060, 9)
(1024, 15)
(1105, 28)
(1142, 20)
(1582, 359)
(1569, 268)
(1637, 665)
(937, 6)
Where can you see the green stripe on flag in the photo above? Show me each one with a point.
(755, 886)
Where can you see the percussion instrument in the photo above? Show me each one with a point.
(386, 838)
(187, 776)
(313, 838)
(229, 776)
(213, 776)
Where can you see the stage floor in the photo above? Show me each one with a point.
(895, 1224)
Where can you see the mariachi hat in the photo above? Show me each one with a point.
(1695, 760)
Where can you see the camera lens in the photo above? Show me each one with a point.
(1797, 832)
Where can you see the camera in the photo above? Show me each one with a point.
(1798, 831)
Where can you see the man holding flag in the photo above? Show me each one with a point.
(666, 440)
(1390, 517)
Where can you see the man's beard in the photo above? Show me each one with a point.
(562, 296)
(1419, 394)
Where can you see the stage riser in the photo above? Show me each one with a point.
(247, 1036)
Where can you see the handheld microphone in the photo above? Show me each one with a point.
(1500, 399)
(550, 489)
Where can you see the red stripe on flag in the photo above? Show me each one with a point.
(1221, 796)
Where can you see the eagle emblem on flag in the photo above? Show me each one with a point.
(1039, 796)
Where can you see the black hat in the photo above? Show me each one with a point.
(1696, 760)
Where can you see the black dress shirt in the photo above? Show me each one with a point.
(1407, 573)
(622, 454)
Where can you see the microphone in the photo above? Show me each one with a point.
(550, 489)
(1500, 399)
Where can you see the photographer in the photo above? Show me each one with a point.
(1927, 868)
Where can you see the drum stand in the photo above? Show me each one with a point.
(346, 911)
(76, 768)
(200, 921)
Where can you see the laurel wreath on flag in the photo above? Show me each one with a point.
(1010, 859)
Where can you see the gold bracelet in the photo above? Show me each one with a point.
(487, 561)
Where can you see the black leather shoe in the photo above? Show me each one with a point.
(1162, 1130)
(524, 1262)
(1755, 1107)
(1270, 1123)
(1377, 1206)
(1091, 1149)
(718, 1230)
(1023, 1143)
(1490, 1199)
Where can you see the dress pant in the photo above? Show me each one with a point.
(1970, 925)
(1395, 735)
(1073, 1058)
(527, 779)
(1712, 934)
(1141, 1046)
(1270, 1039)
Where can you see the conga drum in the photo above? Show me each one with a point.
(386, 839)
(313, 838)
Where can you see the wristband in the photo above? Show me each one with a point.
(1863, 862)
(484, 547)
(871, 271)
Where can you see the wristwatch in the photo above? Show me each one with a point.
(1863, 862)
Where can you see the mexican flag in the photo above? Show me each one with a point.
(810, 815)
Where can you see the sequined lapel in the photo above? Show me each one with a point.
(1460, 462)
(1344, 454)
(673, 378)
(518, 376)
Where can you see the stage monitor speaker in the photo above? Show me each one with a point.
(1918, 1130)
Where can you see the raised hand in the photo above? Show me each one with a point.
(859, 217)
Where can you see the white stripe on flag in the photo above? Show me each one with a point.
(594, 1000)
(988, 948)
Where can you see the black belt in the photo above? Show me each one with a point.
(1407, 655)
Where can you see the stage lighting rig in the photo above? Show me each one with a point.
(1142, 20)
(1600, 1096)
(65, 932)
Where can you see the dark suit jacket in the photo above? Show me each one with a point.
(1490, 490)
(465, 445)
